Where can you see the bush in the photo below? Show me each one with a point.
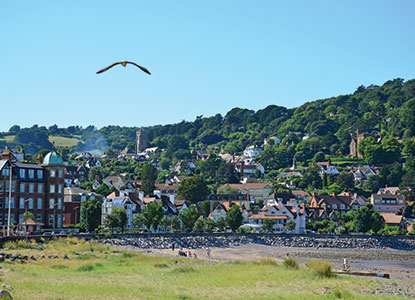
(85, 268)
(321, 268)
(21, 245)
(266, 261)
(290, 263)
(126, 254)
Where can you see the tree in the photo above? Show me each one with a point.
(199, 225)
(138, 220)
(267, 224)
(220, 224)
(311, 179)
(319, 156)
(407, 185)
(290, 226)
(234, 217)
(188, 217)
(14, 129)
(371, 183)
(345, 181)
(148, 178)
(111, 222)
(120, 215)
(152, 215)
(193, 189)
(90, 214)
(228, 190)
(27, 215)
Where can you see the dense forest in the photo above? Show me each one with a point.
(323, 126)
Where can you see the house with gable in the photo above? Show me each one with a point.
(253, 190)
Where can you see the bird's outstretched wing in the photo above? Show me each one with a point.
(141, 68)
(109, 67)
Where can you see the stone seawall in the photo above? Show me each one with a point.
(231, 240)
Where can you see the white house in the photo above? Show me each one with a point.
(281, 214)
(253, 151)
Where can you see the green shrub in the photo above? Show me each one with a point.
(22, 244)
(321, 268)
(290, 263)
(85, 268)
(161, 266)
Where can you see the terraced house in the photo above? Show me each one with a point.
(34, 187)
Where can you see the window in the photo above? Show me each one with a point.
(60, 203)
(1, 187)
(60, 187)
(21, 203)
(52, 188)
(20, 218)
(13, 187)
(39, 203)
(39, 188)
(52, 173)
(31, 173)
(30, 203)
(51, 203)
(39, 174)
(22, 173)
(39, 217)
(31, 188)
(1, 202)
(6, 172)
(59, 221)
(334, 206)
(7, 202)
(342, 206)
(22, 187)
(60, 173)
(1, 219)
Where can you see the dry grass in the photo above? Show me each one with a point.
(95, 271)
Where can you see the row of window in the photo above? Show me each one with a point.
(388, 201)
(30, 173)
(31, 188)
(31, 203)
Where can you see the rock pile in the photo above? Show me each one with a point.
(225, 241)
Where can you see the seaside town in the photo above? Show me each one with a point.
(71, 193)
(187, 150)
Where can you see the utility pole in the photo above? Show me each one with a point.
(10, 202)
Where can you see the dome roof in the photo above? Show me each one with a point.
(52, 158)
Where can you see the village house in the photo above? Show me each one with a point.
(253, 190)
(252, 151)
(392, 219)
(327, 168)
(73, 198)
(281, 214)
(388, 202)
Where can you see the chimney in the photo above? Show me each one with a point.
(6, 154)
(172, 199)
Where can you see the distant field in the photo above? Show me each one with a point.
(60, 141)
(8, 138)
(94, 271)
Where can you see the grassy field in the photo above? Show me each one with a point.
(60, 141)
(96, 271)
(8, 138)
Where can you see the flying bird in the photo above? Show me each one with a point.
(124, 64)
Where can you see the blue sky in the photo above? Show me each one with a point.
(206, 57)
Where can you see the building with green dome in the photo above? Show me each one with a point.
(35, 187)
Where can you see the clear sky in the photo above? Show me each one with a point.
(206, 57)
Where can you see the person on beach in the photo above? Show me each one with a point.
(208, 252)
(172, 247)
(189, 254)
